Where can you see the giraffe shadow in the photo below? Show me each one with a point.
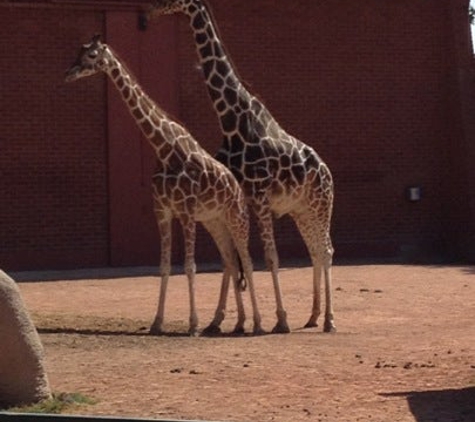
(450, 405)
(94, 332)
(142, 332)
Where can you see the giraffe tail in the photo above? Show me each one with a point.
(242, 282)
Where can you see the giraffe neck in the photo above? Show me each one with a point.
(154, 123)
(230, 98)
(215, 64)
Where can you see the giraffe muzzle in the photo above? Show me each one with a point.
(71, 74)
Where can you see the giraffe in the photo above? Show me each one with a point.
(278, 173)
(189, 185)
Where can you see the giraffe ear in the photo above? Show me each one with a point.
(96, 38)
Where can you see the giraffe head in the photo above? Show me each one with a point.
(168, 7)
(92, 58)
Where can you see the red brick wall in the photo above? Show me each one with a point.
(53, 174)
(150, 56)
(366, 84)
(373, 86)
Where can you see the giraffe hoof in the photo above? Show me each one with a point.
(211, 331)
(193, 331)
(281, 329)
(310, 324)
(156, 331)
(238, 330)
(259, 332)
(329, 327)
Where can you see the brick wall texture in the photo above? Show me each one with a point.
(53, 210)
(380, 89)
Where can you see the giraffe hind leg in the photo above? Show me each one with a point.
(316, 301)
(223, 240)
(247, 271)
(189, 235)
(329, 325)
(316, 235)
(266, 228)
(164, 226)
(214, 328)
(240, 234)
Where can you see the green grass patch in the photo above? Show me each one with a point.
(59, 403)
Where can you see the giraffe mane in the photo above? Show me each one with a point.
(134, 78)
(208, 7)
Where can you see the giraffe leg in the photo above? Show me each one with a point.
(164, 226)
(316, 235)
(317, 299)
(239, 228)
(266, 229)
(329, 325)
(247, 268)
(239, 327)
(189, 234)
(223, 240)
(214, 328)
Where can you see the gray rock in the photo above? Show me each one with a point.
(23, 378)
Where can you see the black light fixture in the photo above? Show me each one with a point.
(142, 21)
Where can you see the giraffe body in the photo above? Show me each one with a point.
(278, 173)
(188, 185)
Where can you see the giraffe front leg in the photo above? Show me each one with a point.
(164, 226)
(189, 234)
(156, 327)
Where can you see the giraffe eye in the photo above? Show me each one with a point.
(93, 54)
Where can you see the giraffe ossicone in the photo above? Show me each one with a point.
(189, 185)
(278, 173)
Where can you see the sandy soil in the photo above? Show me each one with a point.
(404, 351)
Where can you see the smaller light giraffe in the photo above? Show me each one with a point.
(189, 185)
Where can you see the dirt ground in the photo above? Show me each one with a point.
(404, 350)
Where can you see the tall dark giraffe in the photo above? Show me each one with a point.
(188, 184)
(278, 173)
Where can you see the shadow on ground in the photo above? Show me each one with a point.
(454, 405)
(142, 332)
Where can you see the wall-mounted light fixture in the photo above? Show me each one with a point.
(414, 193)
(142, 21)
